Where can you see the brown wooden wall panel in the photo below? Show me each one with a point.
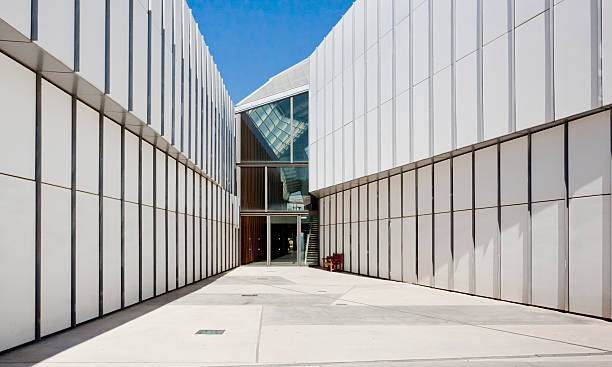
(253, 241)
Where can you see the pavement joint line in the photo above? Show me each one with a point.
(429, 360)
(259, 333)
(444, 319)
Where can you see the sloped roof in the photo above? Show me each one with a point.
(295, 78)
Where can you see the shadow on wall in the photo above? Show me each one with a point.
(36, 352)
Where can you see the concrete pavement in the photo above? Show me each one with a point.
(302, 316)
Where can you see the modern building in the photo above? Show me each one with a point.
(117, 169)
(464, 145)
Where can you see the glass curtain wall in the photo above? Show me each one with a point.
(276, 132)
(274, 181)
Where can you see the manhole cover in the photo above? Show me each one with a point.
(210, 332)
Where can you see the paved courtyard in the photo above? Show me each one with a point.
(301, 316)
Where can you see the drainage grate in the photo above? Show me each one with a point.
(249, 295)
(210, 332)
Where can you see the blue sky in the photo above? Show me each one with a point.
(252, 40)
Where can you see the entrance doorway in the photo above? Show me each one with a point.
(275, 239)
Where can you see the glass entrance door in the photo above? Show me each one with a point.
(284, 247)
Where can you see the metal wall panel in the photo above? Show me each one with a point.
(409, 250)
(495, 19)
(495, 88)
(589, 155)
(56, 29)
(18, 15)
(515, 235)
(386, 136)
(147, 252)
(425, 190)
(18, 109)
(443, 257)
(147, 174)
(425, 273)
(56, 135)
(402, 56)
(547, 164)
(17, 261)
(420, 43)
(467, 106)
(112, 159)
(160, 251)
(55, 259)
(442, 186)
(172, 250)
(87, 148)
(383, 249)
(180, 248)
(572, 57)
(140, 61)
(395, 249)
(349, 160)
(131, 167)
(442, 23)
(131, 254)
(420, 113)
(532, 87)
(111, 249)
(485, 177)
(548, 249)
(409, 193)
(487, 239)
(402, 128)
(513, 171)
(463, 255)
(87, 256)
(442, 109)
(466, 19)
(119, 50)
(91, 41)
(589, 251)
